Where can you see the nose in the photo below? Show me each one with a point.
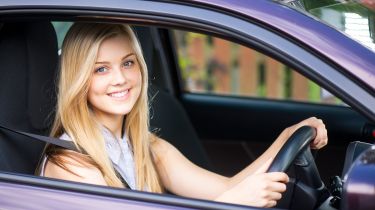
(118, 77)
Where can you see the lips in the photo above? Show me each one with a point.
(119, 94)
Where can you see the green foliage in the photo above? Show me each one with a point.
(314, 94)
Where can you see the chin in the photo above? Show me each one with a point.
(121, 111)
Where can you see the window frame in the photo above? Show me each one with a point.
(254, 35)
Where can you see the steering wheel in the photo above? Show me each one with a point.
(306, 190)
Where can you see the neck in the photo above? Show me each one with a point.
(113, 123)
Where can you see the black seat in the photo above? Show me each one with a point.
(171, 122)
(28, 59)
(28, 56)
(169, 119)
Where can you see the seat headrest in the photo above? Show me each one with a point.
(28, 57)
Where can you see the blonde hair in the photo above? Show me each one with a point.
(73, 114)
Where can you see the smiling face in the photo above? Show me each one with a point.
(116, 81)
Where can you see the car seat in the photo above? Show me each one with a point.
(28, 54)
(28, 58)
(168, 118)
(170, 121)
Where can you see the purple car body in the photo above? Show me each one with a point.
(348, 70)
(360, 183)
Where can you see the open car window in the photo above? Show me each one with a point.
(211, 65)
(236, 100)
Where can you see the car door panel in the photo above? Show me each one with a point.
(235, 130)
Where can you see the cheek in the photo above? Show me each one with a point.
(135, 75)
(97, 88)
(135, 78)
(139, 77)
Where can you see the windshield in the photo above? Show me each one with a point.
(353, 17)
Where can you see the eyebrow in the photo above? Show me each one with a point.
(123, 58)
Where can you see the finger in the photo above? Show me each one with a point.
(278, 177)
(317, 123)
(324, 138)
(311, 121)
(321, 143)
(320, 127)
(274, 196)
(311, 118)
(276, 187)
(321, 139)
(271, 203)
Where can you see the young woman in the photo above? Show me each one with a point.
(103, 108)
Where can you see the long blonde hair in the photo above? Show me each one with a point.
(73, 114)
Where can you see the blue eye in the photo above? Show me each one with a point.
(101, 70)
(128, 64)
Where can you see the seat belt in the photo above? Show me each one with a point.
(55, 141)
(58, 142)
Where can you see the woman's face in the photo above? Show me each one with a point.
(116, 82)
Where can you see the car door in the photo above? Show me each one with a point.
(222, 119)
(240, 97)
(26, 192)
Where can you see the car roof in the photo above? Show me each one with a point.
(344, 51)
(351, 56)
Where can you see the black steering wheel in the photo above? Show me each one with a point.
(305, 189)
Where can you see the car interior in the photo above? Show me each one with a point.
(32, 78)
(219, 142)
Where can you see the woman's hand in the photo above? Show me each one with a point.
(321, 138)
(252, 186)
(261, 190)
